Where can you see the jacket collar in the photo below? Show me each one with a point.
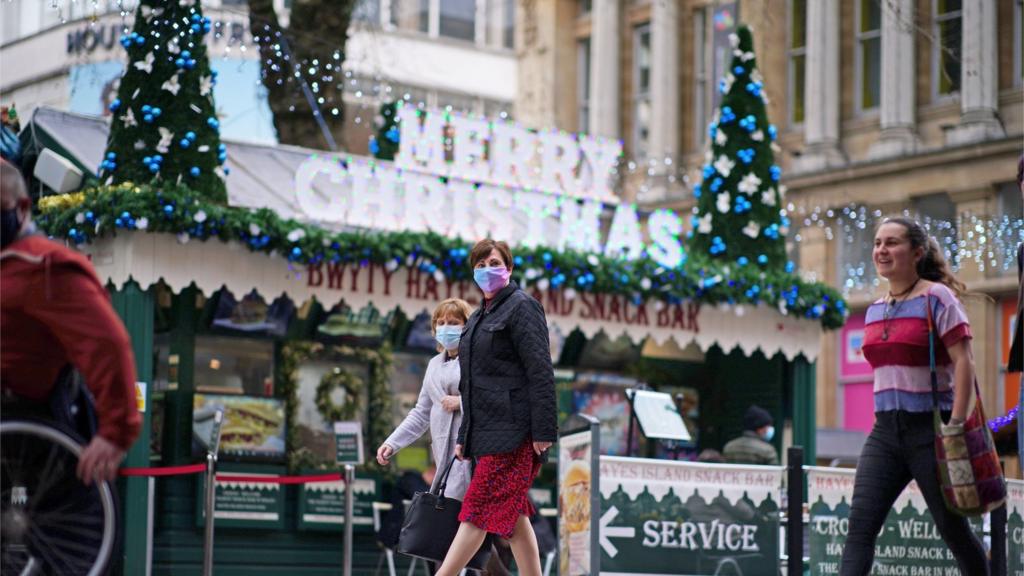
(502, 296)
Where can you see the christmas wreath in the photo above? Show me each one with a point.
(334, 379)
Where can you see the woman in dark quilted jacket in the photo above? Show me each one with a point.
(509, 422)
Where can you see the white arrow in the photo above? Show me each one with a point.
(613, 531)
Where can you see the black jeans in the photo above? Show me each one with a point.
(901, 447)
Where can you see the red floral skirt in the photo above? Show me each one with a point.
(499, 491)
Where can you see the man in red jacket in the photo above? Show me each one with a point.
(53, 312)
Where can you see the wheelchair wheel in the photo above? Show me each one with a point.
(51, 523)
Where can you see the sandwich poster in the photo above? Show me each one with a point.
(574, 482)
(252, 427)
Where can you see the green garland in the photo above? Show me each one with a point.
(101, 212)
(378, 423)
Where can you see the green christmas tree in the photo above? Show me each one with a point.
(738, 217)
(384, 145)
(165, 126)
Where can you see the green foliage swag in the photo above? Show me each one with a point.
(105, 211)
(165, 127)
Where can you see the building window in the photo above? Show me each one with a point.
(509, 30)
(367, 11)
(855, 242)
(458, 19)
(869, 54)
(585, 6)
(701, 116)
(947, 46)
(797, 54)
(583, 85)
(938, 214)
(641, 90)
(411, 15)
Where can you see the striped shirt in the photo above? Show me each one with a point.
(900, 362)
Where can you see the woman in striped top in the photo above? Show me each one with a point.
(900, 447)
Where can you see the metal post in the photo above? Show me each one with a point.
(795, 511)
(211, 482)
(350, 480)
(150, 508)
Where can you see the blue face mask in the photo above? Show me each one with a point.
(769, 434)
(448, 336)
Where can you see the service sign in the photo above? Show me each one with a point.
(666, 517)
(909, 543)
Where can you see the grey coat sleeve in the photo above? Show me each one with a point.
(416, 422)
(529, 332)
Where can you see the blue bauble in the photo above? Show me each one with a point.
(154, 168)
(115, 104)
(184, 143)
(194, 171)
(148, 118)
(146, 108)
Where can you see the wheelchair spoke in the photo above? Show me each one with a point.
(59, 549)
(30, 567)
(51, 555)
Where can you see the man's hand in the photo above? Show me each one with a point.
(539, 447)
(458, 452)
(99, 461)
(451, 403)
(384, 454)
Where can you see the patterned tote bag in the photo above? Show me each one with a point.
(969, 470)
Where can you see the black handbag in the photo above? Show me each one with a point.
(430, 526)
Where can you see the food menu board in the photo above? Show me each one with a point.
(252, 427)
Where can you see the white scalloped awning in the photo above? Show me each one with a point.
(149, 258)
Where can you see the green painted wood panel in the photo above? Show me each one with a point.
(135, 307)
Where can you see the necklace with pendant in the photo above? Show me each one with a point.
(892, 304)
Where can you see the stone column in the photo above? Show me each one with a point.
(664, 138)
(899, 132)
(979, 76)
(604, 68)
(664, 79)
(821, 90)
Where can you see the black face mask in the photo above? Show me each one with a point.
(10, 226)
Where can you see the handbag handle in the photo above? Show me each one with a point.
(444, 479)
(931, 366)
(931, 357)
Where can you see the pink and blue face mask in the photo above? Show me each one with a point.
(491, 279)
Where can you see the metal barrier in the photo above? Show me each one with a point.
(209, 495)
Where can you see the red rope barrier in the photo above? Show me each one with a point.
(230, 477)
(167, 471)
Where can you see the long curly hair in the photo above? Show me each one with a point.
(933, 265)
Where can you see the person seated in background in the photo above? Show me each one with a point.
(754, 446)
(710, 456)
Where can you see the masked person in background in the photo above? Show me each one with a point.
(439, 407)
(754, 446)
